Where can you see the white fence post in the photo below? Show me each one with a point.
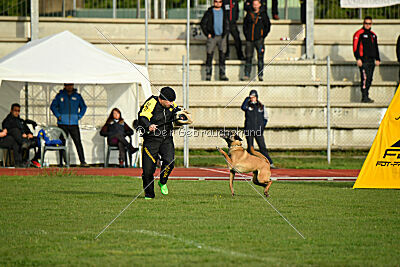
(328, 108)
(34, 20)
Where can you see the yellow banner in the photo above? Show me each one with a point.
(381, 168)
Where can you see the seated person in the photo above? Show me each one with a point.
(116, 130)
(8, 142)
(17, 128)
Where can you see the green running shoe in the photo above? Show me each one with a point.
(164, 188)
(147, 198)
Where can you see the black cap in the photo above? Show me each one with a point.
(167, 93)
(253, 93)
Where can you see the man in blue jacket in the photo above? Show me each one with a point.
(68, 107)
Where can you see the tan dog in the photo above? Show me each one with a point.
(239, 160)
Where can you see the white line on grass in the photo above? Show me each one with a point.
(280, 214)
(127, 206)
(200, 245)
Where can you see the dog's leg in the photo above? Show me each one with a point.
(255, 180)
(267, 188)
(264, 178)
(226, 157)
(231, 177)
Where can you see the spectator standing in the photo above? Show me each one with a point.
(398, 53)
(303, 7)
(116, 130)
(232, 10)
(366, 52)
(256, 118)
(215, 26)
(264, 7)
(256, 26)
(69, 107)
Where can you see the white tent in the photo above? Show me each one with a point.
(47, 63)
(367, 3)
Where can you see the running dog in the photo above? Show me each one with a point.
(239, 160)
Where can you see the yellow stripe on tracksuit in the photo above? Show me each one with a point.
(148, 153)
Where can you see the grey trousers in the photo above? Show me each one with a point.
(250, 46)
(211, 44)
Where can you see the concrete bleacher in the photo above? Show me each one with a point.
(294, 90)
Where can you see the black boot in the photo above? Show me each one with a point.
(365, 98)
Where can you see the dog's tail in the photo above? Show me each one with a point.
(258, 154)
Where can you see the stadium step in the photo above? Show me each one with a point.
(213, 94)
(167, 37)
(330, 30)
(168, 66)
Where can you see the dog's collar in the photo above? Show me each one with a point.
(232, 147)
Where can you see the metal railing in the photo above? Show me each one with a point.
(176, 9)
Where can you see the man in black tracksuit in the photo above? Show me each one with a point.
(157, 110)
(232, 10)
(256, 118)
(215, 26)
(256, 26)
(366, 52)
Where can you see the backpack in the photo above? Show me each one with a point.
(47, 141)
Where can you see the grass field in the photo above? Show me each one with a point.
(53, 221)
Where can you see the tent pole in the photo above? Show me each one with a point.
(26, 100)
(137, 141)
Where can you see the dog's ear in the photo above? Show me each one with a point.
(238, 138)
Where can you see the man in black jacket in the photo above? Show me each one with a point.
(398, 53)
(155, 117)
(264, 7)
(232, 10)
(366, 52)
(215, 26)
(256, 26)
(256, 118)
(17, 128)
